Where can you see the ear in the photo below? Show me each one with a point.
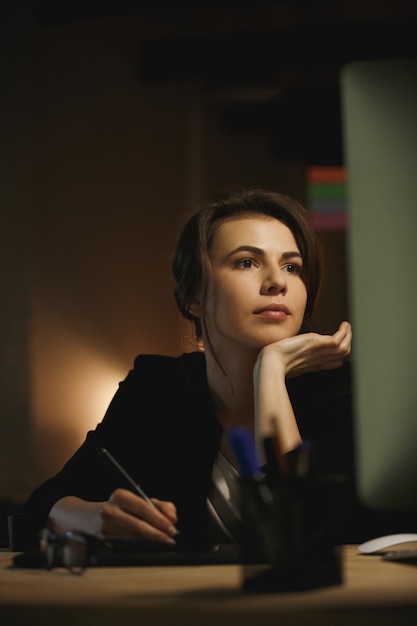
(195, 309)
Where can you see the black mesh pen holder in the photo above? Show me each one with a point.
(291, 541)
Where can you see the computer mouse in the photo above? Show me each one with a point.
(379, 544)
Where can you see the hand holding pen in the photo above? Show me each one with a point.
(130, 513)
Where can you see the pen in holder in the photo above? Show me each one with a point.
(291, 516)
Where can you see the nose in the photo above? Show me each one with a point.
(274, 282)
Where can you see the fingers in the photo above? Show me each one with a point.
(343, 338)
(329, 351)
(337, 344)
(167, 508)
(313, 352)
(127, 515)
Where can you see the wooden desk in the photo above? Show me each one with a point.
(373, 592)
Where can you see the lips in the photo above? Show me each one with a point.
(273, 308)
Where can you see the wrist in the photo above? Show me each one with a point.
(269, 360)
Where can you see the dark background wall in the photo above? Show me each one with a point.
(115, 120)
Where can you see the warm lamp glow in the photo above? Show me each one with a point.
(72, 385)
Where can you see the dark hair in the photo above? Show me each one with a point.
(191, 259)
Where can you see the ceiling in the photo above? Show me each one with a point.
(276, 64)
(247, 41)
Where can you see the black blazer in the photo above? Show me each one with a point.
(162, 428)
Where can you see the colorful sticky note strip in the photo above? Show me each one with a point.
(326, 197)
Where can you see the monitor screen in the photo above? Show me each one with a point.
(379, 122)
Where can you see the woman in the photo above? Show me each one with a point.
(248, 273)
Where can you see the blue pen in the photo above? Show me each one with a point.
(241, 442)
(243, 447)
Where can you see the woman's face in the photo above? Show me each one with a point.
(256, 294)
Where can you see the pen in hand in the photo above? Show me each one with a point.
(133, 486)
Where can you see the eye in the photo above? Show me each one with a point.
(293, 268)
(245, 263)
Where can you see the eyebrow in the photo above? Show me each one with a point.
(255, 250)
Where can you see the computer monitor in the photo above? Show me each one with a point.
(379, 122)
